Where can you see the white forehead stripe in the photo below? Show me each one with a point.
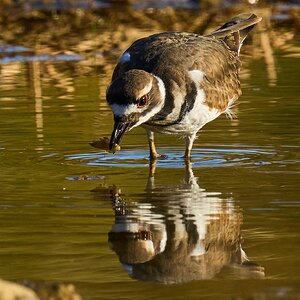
(125, 57)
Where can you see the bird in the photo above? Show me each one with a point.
(176, 82)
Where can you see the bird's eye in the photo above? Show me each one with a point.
(142, 101)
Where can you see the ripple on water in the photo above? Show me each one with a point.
(201, 157)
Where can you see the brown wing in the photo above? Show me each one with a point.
(221, 81)
(208, 55)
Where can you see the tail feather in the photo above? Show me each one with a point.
(236, 30)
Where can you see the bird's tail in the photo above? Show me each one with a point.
(235, 31)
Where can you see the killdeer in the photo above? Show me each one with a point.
(176, 82)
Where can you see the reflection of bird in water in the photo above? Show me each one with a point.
(178, 233)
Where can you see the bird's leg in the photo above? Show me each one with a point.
(153, 154)
(189, 140)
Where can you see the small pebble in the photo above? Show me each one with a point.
(103, 144)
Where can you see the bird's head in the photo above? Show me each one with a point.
(135, 97)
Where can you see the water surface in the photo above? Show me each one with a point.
(70, 213)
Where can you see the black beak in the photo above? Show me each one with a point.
(119, 130)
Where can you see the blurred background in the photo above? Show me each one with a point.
(60, 198)
(92, 31)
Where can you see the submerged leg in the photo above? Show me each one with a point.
(153, 154)
(189, 140)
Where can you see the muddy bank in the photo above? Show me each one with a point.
(37, 291)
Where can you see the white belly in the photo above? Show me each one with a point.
(194, 120)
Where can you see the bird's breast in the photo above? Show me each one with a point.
(183, 113)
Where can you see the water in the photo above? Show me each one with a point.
(64, 206)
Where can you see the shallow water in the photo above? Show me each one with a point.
(64, 206)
